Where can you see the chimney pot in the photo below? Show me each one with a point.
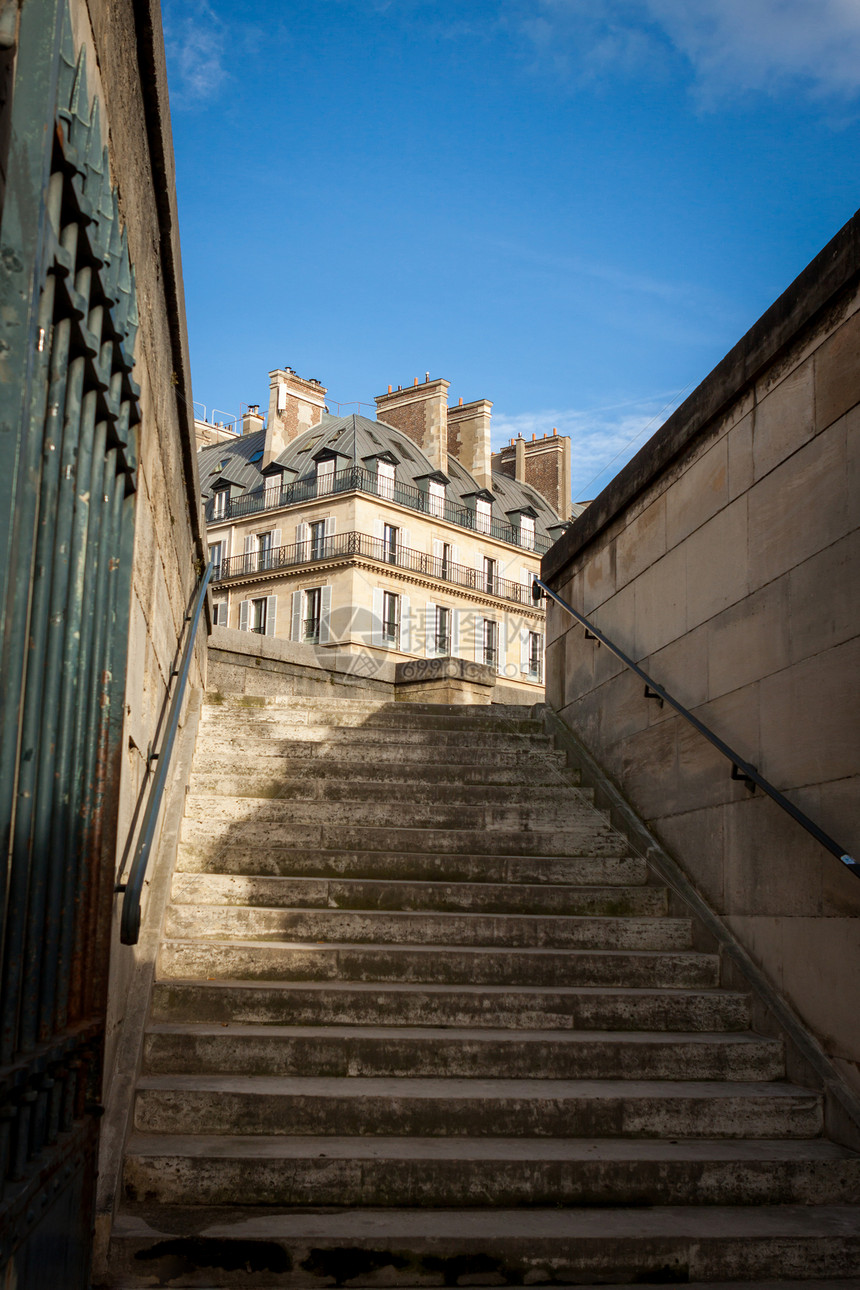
(415, 380)
(389, 389)
(426, 377)
(460, 403)
(534, 436)
(554, 430)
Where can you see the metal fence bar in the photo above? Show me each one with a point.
(740, 769)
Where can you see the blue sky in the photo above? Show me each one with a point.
(571, 207)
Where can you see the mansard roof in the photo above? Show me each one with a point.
(356, 439)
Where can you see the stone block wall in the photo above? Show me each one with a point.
(725, 560)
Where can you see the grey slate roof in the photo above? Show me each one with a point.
(356, 439)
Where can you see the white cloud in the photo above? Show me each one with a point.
(602, 439)
(731, 46)
(196, 42)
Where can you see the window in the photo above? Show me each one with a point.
(436, 497)
(491, 642)
(264, 550)
(325, 476)
(313, 607)
(273, 485)
(389, 543)
(385, 478)
(489, 575)
(535, 654)
(483, 515)
(255, 457)
(445, 561)
(391, 618)
(219, 503)
(527, 532)
(443, 630)
(258, 616)
(317, 539)
(216, 555)
(219, 613)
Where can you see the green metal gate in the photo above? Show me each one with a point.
(68, 417)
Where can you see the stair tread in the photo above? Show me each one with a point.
(274, 1147)
(478, 1087)
(459, 1034)
(478, 991)
(368, 946)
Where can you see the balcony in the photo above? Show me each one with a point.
(356, 479)
(343, 545)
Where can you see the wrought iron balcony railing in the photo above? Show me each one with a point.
(371, 548)
(356, 479)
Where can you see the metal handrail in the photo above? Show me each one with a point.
(741, 769)
(133, 887)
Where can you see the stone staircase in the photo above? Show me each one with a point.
(421, 1018)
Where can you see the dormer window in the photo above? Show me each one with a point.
(436, 498)
(483, 515)
(527, 532)
(220, 497)
(385, 479)
(325, 476)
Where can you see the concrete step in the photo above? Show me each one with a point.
(402, 718)
(500, 773)
(404, 1248)
(212, 838)
(324, 1003)
(531, 738)
(214, 746)
(435, 964)
(393, 894)
(383, 927)
(344, 706)
(404, 1052)
(556, 793)
(275, 861)
(474, 1108)
(257, 1170)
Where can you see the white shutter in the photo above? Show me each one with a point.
(271, 614)
(437, 549)
(403, 538)
(455, 633)
(276, 537)
(379, 529)
(524, 648)
(430, 630)
(376, 621)
(325, 616)
(503, 645)
(455, 554)
(296, 633)
(405, 626)
(479, 639)
(244, 609)
(250, 543)
(330, 525)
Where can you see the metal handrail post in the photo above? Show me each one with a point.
(130, 921)
(740, 769)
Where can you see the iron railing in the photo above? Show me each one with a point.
(362, 544)
(741, 769)
(357, 479)
(133, 887)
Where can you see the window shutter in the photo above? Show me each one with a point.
(455, 633)
(325, 615)
(479, 639)
(271, 614)
(276, 537)
(379, 529)
(503, 645)
(403, 538)
(296, 633)
(405, 626)
(250, 543)
(376, 620)
(524, 648)
(430, 630)
(330, 526)
(455, 554)
(437, 549)
(244, 608)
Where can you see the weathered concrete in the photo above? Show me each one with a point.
(724, 559)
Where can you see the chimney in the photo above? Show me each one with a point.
(294, 406)
(544, 464)
(251, 420)
(469, 439)
(421, 412)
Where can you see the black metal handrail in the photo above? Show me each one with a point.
(357, 479)
(133, 887)
(741, 769)
(362, 544)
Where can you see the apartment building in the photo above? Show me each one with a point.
(392, 536)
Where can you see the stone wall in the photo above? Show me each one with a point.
(724, 559)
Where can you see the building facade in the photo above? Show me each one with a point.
(392, 537)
